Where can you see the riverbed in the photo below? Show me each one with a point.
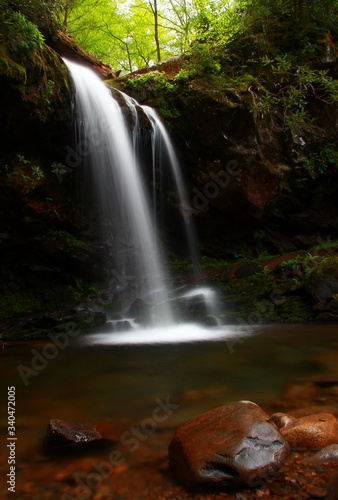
(119, 385)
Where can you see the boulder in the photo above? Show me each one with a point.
(61, 434)
(312, 432)
(229, 446)
(140, 311)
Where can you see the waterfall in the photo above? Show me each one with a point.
(111, 142)
(162, 146)
(108, 148)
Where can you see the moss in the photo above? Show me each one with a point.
(9, 68)
(296, 309)
(67, 238)
(39, 78)
(43, 327)
(13, 303)
(327, 267)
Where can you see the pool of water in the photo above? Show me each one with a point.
(119, 378)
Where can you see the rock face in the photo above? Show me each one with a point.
(61, 434)
(228, 446)
(312, 432)
(324, 279)
(271, 190)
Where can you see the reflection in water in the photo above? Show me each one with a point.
(178, 334)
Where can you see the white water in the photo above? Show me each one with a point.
(108, 149)
(163, 144)
(111, 152)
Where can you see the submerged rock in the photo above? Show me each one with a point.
(229, 446)
(61, 434)
(327, 454)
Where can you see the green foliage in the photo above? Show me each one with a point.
(151, 83)
(68, 238)
(275, 47)
(59, 169)
(289, 85)
(182, 76)
(203, 60)
(301, 263)
(23, 174)
(322, 162)
(22, 35)
(14, 302)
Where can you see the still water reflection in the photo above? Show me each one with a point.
(110, 378)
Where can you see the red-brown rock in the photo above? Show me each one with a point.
(327, 454)
(312, 432)
(228, 446)
(60, 434)
(282, 419)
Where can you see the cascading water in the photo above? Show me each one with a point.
(112, 152)
(109, 150)
(162, 146)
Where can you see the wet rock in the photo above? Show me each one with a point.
(324, 279)
(191, 308)
(228, 446)
(316, 491)
(139, 311)
(282, 419)
(327, 454)
(312, 432)
(63, 434)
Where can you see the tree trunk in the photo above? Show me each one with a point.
(154, 9)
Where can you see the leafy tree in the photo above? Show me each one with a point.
(129, 34)
(274, 51)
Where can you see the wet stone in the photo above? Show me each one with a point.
(229, 446)
(282, 419)
(312, 432)
(61, 434)
(316, 491)
(327, 454)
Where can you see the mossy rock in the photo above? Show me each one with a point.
(11, 69)
(324, 279)
(45, 326)
(34, 83)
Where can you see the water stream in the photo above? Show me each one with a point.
(112, 128)
(116, 173)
